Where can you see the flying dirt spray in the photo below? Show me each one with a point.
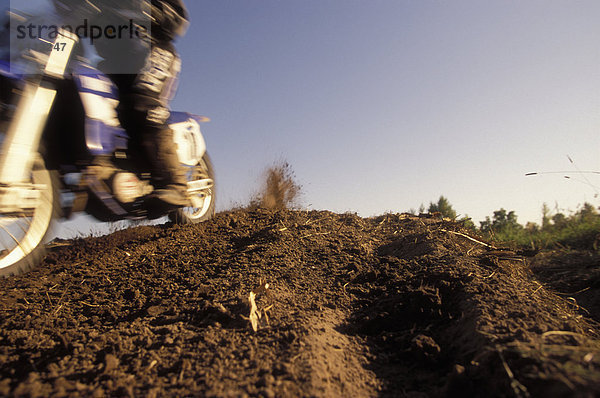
(279, 190)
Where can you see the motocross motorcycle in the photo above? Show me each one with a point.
(54, 124)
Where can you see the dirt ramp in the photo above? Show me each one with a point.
(341, 306)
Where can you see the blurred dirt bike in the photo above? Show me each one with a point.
(54, 123)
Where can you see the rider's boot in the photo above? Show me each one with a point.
(167, 172)
(102, 167)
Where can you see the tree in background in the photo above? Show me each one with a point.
(532, 228)
(545, 216)
(504, 224)
(443, 207)
(587, 213)
(559, 220)
(505, 221)
(578, 230)
(468, 223)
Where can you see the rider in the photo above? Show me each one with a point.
(145, 96)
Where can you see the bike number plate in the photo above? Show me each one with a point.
(189, 141)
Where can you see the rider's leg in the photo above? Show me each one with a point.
(147, 104)
(167, 173)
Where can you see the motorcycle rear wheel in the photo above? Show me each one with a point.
(206, 198)
(22, 237)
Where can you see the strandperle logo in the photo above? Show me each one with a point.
(112, 34)
(88, 30)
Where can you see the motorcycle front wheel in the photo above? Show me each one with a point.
(22, 236)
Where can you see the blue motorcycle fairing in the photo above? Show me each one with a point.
(99, 95)
(5, 69)
(103, 132)
(10, 72)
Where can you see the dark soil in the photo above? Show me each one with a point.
(390, 306)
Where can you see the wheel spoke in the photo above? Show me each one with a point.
(19, 224)
(3, 243)
(11, 235)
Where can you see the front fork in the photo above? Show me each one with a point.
(22, 139)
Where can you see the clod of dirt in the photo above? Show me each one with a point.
(395, 305)
(425, 347)
(111, 363)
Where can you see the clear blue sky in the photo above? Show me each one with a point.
(382, 105)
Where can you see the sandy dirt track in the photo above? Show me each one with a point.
(390, 306)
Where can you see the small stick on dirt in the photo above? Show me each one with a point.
(255, 314)
(90, 305)
(317, 233)
(572, 301)
(248, 248)
(574, 293)
(284, 227)
(58, 244)
(59, 304)
(489, 276)
(308, 222)
(49, 299)
(470, 238)
(78, 263)
(489, 335)
(154, 362)
(559, 332)
(519, 389)
(266, 315)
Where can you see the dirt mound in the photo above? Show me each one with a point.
(344, 306)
